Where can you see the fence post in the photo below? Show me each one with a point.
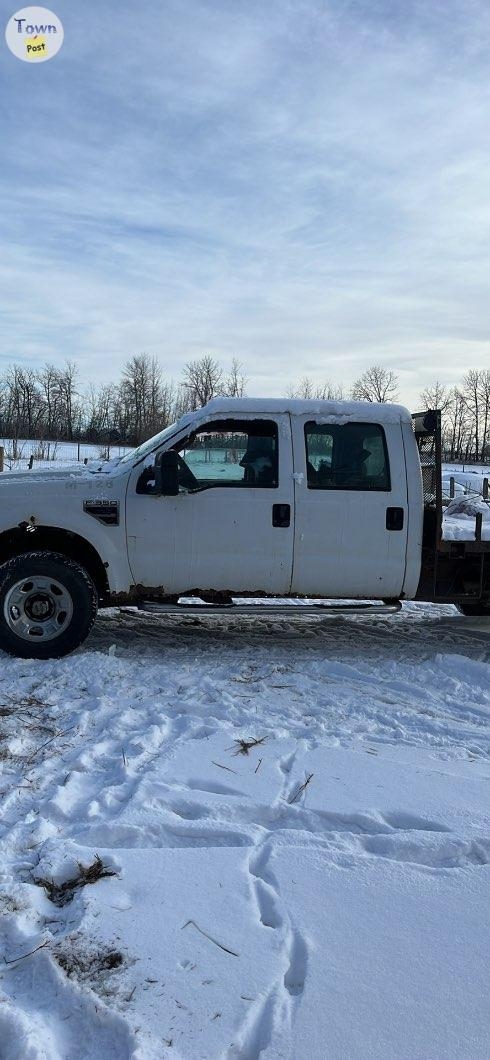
(485, 483)
(78, 451)
(2, 454)
(451, 486)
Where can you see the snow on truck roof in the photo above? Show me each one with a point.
(338, 411)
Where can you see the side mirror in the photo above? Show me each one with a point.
(167, 474)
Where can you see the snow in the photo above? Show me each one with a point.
(334, 411)
(388, 921)
(55, 454)
(469, 472)
(323, 894)
(59, 470)
(458, 521)
(464, 481)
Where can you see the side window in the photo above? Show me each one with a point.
(350, 456)
(230, 453)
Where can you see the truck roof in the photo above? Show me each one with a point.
(340, 411)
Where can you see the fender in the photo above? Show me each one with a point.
(64, 512)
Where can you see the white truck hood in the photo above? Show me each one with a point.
(36, 477)
(101, 470)
(52, 495)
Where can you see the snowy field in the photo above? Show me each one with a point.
(54, 454)
(468, 475)
(243, 838)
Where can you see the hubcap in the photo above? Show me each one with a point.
(38, 608)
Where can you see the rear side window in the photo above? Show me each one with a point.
(349, 456)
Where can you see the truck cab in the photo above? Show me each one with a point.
(279, 498)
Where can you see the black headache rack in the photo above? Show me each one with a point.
(452, 571)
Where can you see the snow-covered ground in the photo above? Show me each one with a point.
(284, 832)
(49, 454)
(468, 475)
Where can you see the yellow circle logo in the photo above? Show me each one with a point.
(34, 34)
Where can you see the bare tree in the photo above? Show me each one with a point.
(308, 389)
(22, 404)
(376, 384)
(484, 390)
(436, 396)
(101, 406)
(203, 379)
(475, 394)
(469, 394)
(69, 407)
(183, 402)
(457, 433)
(143, 397)
(235, 382)
(134, 393)
(53, 424)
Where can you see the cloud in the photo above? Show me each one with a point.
(301, 184)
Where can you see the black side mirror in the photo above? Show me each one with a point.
(167, 474)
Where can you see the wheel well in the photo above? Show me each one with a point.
(53, 539)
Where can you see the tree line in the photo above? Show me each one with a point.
(52, 403)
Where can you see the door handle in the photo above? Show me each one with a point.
(281, 514)
(394, 518)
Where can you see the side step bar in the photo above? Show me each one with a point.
(260, 607)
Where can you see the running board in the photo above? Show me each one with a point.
(260, 607)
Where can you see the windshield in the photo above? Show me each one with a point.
(152, 443)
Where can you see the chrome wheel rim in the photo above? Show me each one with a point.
(38, 608)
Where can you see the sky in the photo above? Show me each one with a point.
(303, 185)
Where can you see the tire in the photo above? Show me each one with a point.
(475, 609)
(48, 605)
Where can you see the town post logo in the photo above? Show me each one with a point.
(34, 34)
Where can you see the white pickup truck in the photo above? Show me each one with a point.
(245, 498)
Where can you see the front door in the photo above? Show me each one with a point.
(351, 509)
(231, 527)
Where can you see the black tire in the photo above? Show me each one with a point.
(475, 609)
(53, 578)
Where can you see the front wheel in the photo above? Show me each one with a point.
(48, 605)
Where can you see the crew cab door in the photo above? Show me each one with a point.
(351, 509)
(231, 526)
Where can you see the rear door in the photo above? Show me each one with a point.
(231, 527)
(351, 508)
